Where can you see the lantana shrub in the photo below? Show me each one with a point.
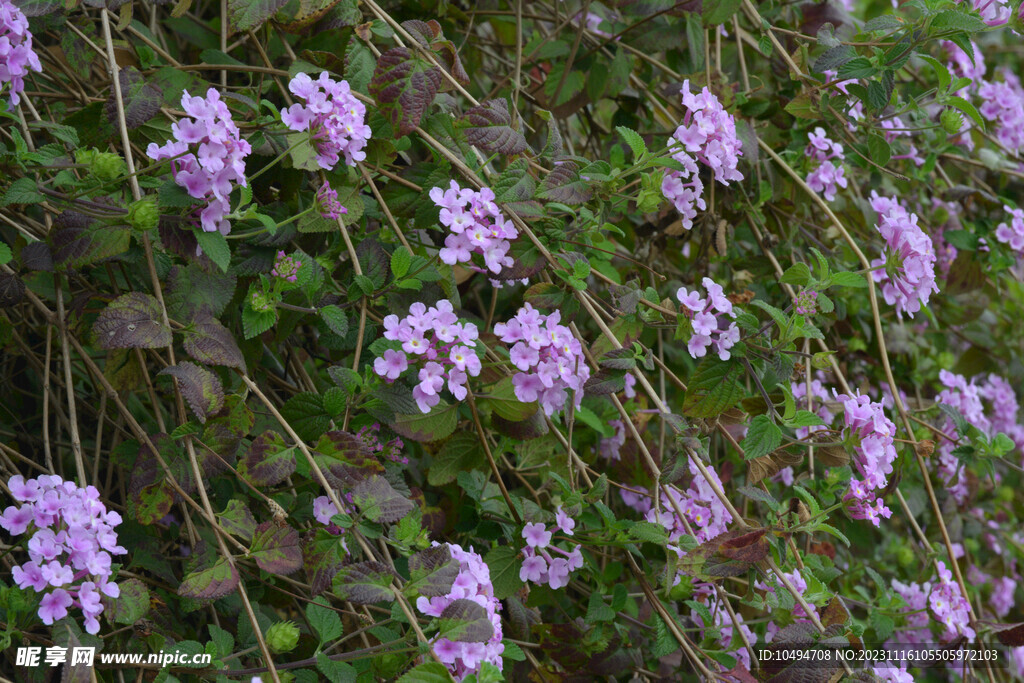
(511, 341)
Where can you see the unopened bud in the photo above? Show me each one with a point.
(952, 121)
(282, 637)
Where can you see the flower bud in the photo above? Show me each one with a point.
(107, 166)
(952, 121)
(144, 214)
(282, 637)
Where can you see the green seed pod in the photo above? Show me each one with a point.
(282, 637)
(108, 166)
(952, 121)
(905, 556)
(144, 214)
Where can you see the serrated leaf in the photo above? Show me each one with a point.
(958, 20)
(439, 423)
(634, 140)
(433, 571)
(305, 413)
(335, 319)
(833, 58)
(431, 672)
(713, 389)
(404, 86)
(141, 100)
(515, 184)
(379, 501)
(460, 453)
(364, 583)
(268, 461)
(504, 563)
(210, 584)
(255, 323)
(324, 620)
(763, 437)
(796, 274)
(885, 22)
(717, 12)
(464, 621)
(490, 129)
(848, 279)
(276, 549)
(237, 519)
(200, 387)
(564, 184)
(214, 245)
(22, 191)
(131, 321)
(649, 532)
(401, 259)
(209, 342)
(130, 605)
(246, 15)
(969, 109)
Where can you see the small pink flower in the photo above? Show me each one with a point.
(536, 535)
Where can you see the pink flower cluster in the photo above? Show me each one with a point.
(609, 447)
(993, 12)
(708, 135)
(709, 318)
(208, 156)
(1003, 104)
(1012, 232)
(435, 336)
(286, 267)
(871, 434)
(806, 302)
(908, 278)
(539, 566)
(333, 116)
(800, 584)
(324, 509)
(327, 202)
(945, 602)
(392, 450)
(703, 513)
(472, 583)
(70, 548)
(723, 623)
(549, 357)
(828, 175)
(476, 225)
(17, 57)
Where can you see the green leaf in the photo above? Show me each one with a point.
(335, 319)
(504, 563)
(364, 583)
(401, 259)
(209, 584)
(502, 399)
(324, 620)
(131, 605)
(5, 254)
(460, 453)
(967, 108)
(246, 15)
(713, 389)
(796, 274)
(597, 610)
(879, 150)
(335, 672)
(885, 22)
(22, 191)
(255, 323)
(861, 67)
(426, 427)
(847, 279)
(215, 246)
(431, 672)
(649, 532)
(763, 437)
(958, 20)
(717, 12)
(635, 142)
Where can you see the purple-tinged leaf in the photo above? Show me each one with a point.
(76, 240)
(276, 548)
(379, 501)
(12, 290)
(131, 605)
(604, 382)
(210, 584)
(149, 496)
(194, 291)
(269, 460)
(237, 519)
(245, 15)
(141, 100)
(464, 621)
(404, 86)
(565, 185)
(439, 423)
(37, 256)
(515, 184)
(321, 559)
(223, 434)
(131, 321)
(211, 343)
(200, 387)
(364, 583)
(490, 129)
(433, 572)
(38, 8)
(532, 427)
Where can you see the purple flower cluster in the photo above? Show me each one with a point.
(208, 156)
(435, 336)
(908, 278)
(949, 606)
(1005, 408)
(708, 135)
(609, 447)
(709, 318)
(538, 564)
(1003, 104)
(476, 225)
(800, 584)
(392, 450)
(723, 623)
(472, 583)
(70, 548)
(828, 175)
(993, 12)
(327, 202)
(17, 57)
(806, 302)
(871, 434)
(333, 116)
(703, 514)
(549, 357)
(286, 267)
(1012, 232)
